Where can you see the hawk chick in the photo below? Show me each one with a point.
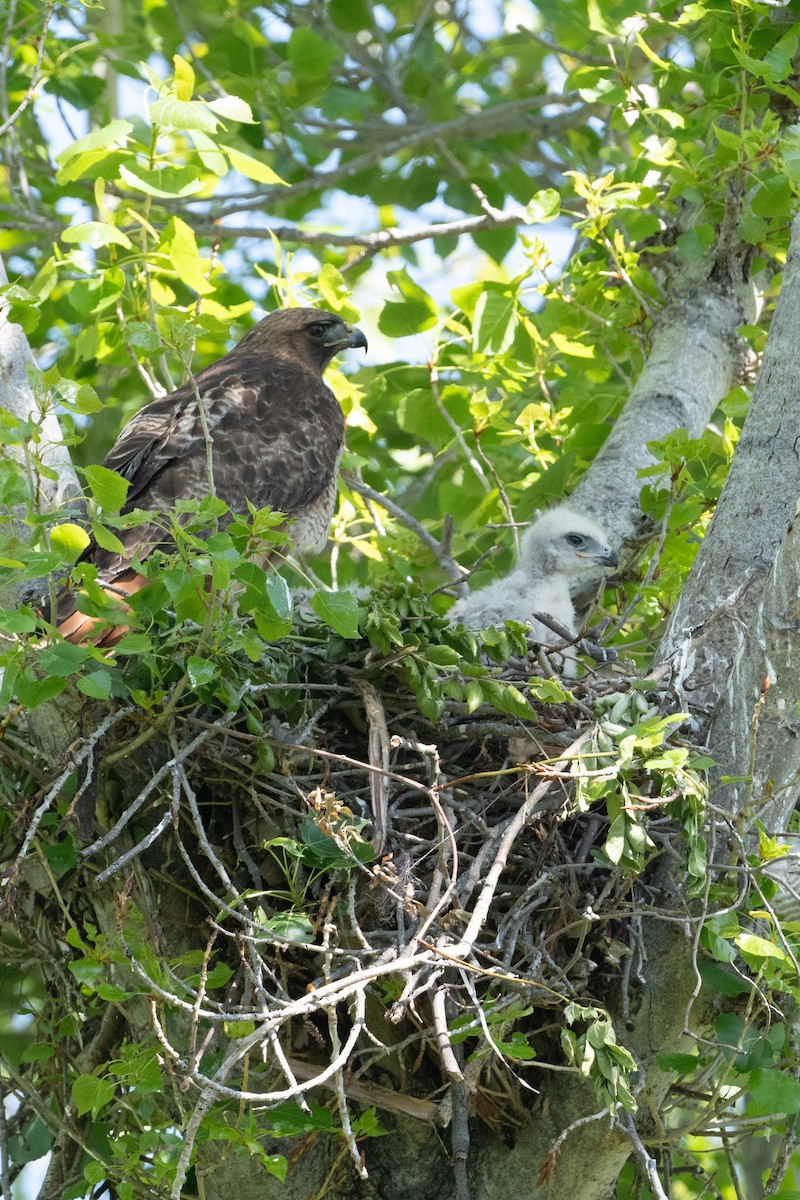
(556, 551)
(276, 430)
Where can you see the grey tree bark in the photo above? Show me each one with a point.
(735, 625)
(695, 356)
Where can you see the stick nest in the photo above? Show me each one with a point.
(357, 875)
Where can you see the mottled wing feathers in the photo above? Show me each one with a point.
(276, 431)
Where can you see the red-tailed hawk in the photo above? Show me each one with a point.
(277, 432)
(557, 551)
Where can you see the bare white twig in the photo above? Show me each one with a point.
(644, 1159)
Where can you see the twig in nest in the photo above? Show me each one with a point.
(460, 1138)
(82, 754)
(449, 1064)
(152, 783)
(379, 758)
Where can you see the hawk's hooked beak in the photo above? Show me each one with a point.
(355, 340)
(605, 556)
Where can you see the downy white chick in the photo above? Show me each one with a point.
(556, 551)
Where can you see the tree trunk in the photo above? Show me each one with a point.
(731, 640)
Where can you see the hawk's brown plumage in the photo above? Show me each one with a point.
(277, 433)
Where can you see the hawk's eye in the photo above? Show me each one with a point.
(318, 330)
(574, 539)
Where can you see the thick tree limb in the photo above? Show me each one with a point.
(693, 362)
(713, 627)
(733, 637)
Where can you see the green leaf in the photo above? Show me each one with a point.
(79, 398)
(251, 167)
(106, 539)
(571, 348)
(350, 15)
(289, 1120)
(108, 488)
(415, 313)
(684, 1064)
(181, 246)
(545, 206)
(727, 137)
(22, 620)
(232, 108)
(112, 994)
(774, 1091)
(339, 610)
(61, 856)
(279, 594)
(184, 78)
(63, 659)
(69, 541)
(133, 643)
(96, 234)
(550, 691)
(291, 927)
(201, 670)
(31, 692)
(442, 656)
(615, 842)
(96, 685)
(311, 55)
(24, 315)
(91, 1094)
(209, 153)
(183, 115)
(758, 947)
(494, 323)
(98, 139)
(517, 1047)
(718, 979)
(143, 336)
(696, 241)
(169, 182)
(31, 1142)
(507, 698)
(94, 295)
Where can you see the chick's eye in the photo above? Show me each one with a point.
(574, 539)
(317, 330)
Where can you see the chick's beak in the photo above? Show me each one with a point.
(605, 556)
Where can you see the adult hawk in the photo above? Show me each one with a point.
(277, 432)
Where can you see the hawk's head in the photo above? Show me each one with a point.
(566, 543)
(310, 334)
